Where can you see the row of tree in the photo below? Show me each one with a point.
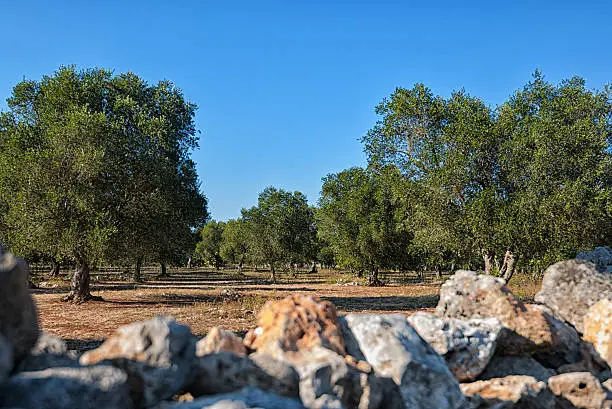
(450, 183)
(279, 230)
(96, 167)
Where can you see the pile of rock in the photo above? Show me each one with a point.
(482, 348)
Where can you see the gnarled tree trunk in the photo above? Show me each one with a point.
(80, 292)
(272, 273)
(164, 270)
(373, 279)
(507, 269)
(55, 268)
(241, 264)
(136, 276)
(486, 256)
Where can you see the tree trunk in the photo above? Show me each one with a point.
(487, 261)
(373, 279)
(273, 273)
(240, 264)
(55, 269)
(507, 269)
(438, 273)
(164, 270)
(137, 277)
(80, 292)
(189, 263)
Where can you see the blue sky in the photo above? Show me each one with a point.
(286, 89)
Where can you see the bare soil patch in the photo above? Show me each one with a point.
(203, 299)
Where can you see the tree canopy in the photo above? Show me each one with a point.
(281, 227)
(529, 180)
(95, 165)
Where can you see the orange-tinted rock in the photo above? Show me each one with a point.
(295, 323)
(468, 295)
(524, 391)
(219, 340)
(598, 329)
(582, 389)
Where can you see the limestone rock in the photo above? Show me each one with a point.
(601, 257)
(247, 398)
(328, 381)
(571, 287)
(580, 389)
(510, 392)
(608, 385)
(467, 295)
(395, 350)
(598, 329)
(18, 316)
(227, 372)
(566, 342)
(503, 366)
(467, 346)
(92, 387)
(49, 351)
(156, 354)
(294, 323)
(219, 340)
(6, 358)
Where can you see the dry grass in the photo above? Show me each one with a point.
(203, 299)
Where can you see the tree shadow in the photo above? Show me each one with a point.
(390, 303)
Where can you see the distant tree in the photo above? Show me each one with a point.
(357, 217)
(236, 242)
(86, 158)
(556, 170)
(528, 183)
(281, 228)
(209, 247)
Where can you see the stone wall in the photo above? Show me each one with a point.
(482, 348)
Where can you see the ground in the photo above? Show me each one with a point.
(203, 299)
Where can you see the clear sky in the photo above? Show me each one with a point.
(286, 89)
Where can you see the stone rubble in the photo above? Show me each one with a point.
(482, 349)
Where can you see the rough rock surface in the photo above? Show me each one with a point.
(601, 257)
(566, 342)
(395, 350)
(503, 366)
(598, 329)
(509, 392)
(295, 323)
(467, 346)
(328, 381)
(6, 358)
(219, 340)
(18, 317)
(98, 386)
(571, 287)
(608, 385)
(581, 389)
(156, 354)
(49, 351)
(248, 398)
(226, 372)
(468, 295)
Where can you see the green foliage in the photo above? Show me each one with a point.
(281, 228)
(532, 177)
(209, 247)
(235, 243)
(358, 218)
